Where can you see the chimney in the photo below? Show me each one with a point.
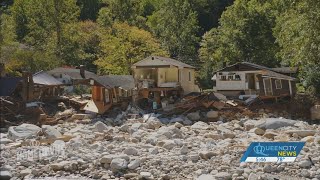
(82, 71)
(152, 58)
(2, 70)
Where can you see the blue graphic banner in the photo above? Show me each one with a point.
(272, 152)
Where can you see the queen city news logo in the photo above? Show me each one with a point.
(272, 152)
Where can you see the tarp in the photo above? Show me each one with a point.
(8, 85)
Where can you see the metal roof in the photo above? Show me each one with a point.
(8, 85)
(123, 81)
(72, 72)
(286, 70)
(161, 61)
(44, 78)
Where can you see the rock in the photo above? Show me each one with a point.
(268, 168)
(194, 116)
(253, 176)
(100, 126)
(5, 175)
(206, 177)
(200, 125)
(194, 157)
(170, 132)
(145, 175)
(130, 175)
(258, 131)
(134, 164)
(228, 135)
(23, 131)
(5, 141)
(184, 150)
(124, 128)
(302, 133)
(153, 123)
(212, 114)
(270, 135)
(118, 164)
(207, 154)
(305, 164)
(177, 119)
(178, 125)
(187, 122)
(59, 166)
(154, 150)
(223, 175)
(135, 127)
(81, 116)
(305, 173)
(51, 132)
(130, 151)
(214, 136)
(25, 172)
(275, 123)
(106, 159)
(169, 144)
(308, 139)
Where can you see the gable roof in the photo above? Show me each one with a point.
(157, 61)
(44, 78)
(266, 71)
(72, 72)
(123, 81)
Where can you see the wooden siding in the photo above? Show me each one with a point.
(284, 89)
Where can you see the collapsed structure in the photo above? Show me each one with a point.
(251, 79)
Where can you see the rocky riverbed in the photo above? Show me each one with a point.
(153, 148)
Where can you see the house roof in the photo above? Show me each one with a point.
(157, 61)
(266, 71)
(72, 72)
(286, 70)
(8, 85)
(44, 78)
(123, 81)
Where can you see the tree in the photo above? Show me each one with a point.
(298, 33)
(89, 9)
(123, 46)
(176, 25)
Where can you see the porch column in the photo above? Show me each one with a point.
(290, 88)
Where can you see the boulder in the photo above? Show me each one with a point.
(214, 136)
(302, 133)
(258, 131)
(25, 172)
(145, 175)
(223, 176)
(305, 164)
(275, 123)
(134, 164)
(118, 164)
(5, 141)
(170, 132)
(200, 125)
(100, 126)
(153, 123)
(169, 144)
(184, 150)
(130, 151)
(207, 154)
(59, 166)
(51, 132)
(187, 122)
(206, 177)
(23, 131)
(177, 119)
(106, 159)
(5, 175)
(194, 116)
(212, 114)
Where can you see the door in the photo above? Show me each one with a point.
(251, 81)
(267, 86)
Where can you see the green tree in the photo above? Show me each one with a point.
(124, 45)
(176, 25)
(89, 9)
(298, 34)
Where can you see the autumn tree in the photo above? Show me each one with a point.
(123, 45)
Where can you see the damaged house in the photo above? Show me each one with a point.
(251, 79)
(108, 91)
(46, 86)
(163, 77)
(71, 76)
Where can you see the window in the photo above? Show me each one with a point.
(223, 78)
(230, 77)
(189, 75)
(237, 77)
(278, 84)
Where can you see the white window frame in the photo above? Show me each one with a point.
(106, 95)
(275, 82)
